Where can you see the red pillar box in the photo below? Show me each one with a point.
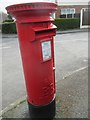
(35, 31)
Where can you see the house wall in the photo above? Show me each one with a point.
(77, 9)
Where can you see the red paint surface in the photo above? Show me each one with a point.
(35, 25)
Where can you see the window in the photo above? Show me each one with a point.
(68, 12)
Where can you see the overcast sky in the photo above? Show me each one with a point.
(4, 3)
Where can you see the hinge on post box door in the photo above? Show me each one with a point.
(53, 68)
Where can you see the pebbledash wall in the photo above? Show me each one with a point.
(76, 14)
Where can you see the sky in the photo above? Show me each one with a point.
(4, 3)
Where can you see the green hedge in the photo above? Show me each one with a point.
(67, 23)
(9, 20)
(61, 23)
(9, 27)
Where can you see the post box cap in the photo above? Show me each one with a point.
(32, 12)
(31, 6)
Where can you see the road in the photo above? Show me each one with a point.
(71, 54)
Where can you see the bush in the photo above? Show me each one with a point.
(9, 27)
(67, 23)
(9, 20)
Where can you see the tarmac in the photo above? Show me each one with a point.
(71, 95)
(71, 99)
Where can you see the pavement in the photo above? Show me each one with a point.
(71, 98)
(71, 59)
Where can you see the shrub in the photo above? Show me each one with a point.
(9, 20)
(67, 23)
(8, 27)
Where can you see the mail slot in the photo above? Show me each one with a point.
(35, 30)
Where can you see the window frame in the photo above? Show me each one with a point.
(66, 13)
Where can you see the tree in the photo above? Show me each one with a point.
(9, 17)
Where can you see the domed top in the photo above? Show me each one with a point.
(31, 12)
(31, 6)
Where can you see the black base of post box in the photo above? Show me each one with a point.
(45, 112)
